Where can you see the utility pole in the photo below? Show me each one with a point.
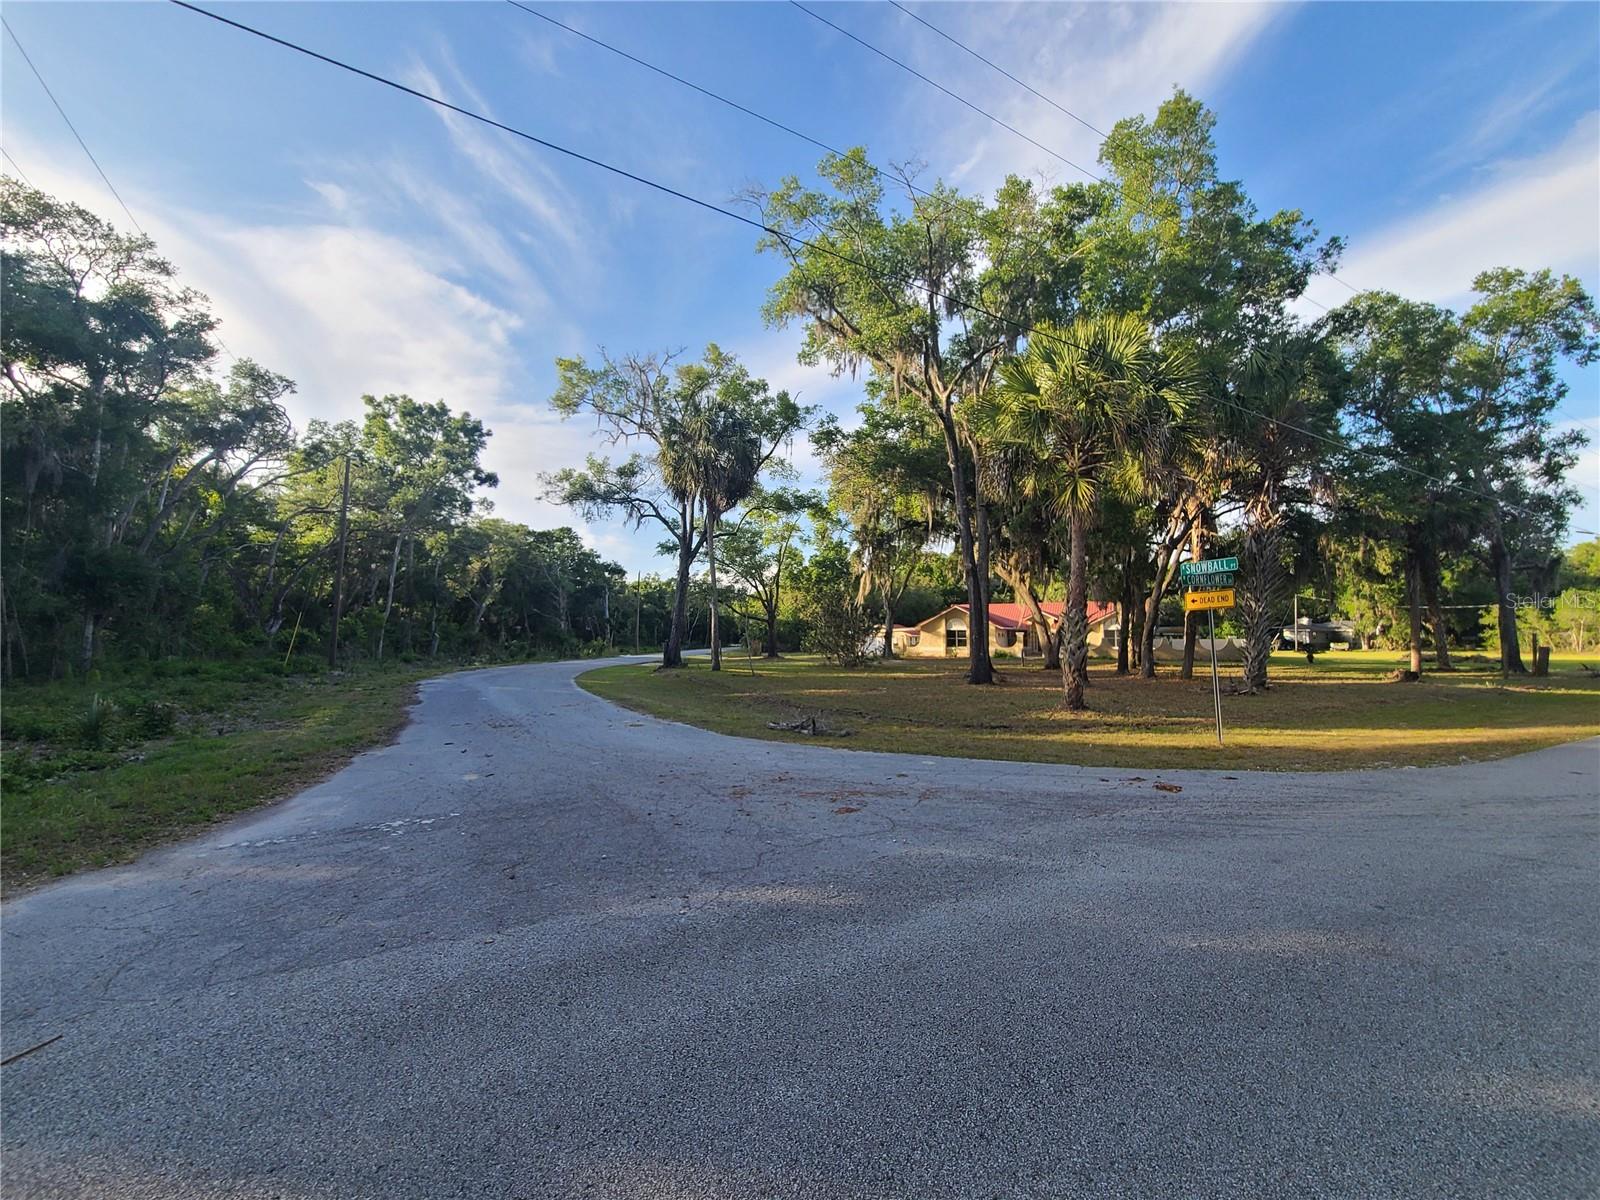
(638, 605)
(338, 579)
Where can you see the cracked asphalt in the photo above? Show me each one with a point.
(543, 947)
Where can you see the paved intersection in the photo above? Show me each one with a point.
(542, 947)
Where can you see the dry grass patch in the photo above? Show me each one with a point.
(1339, 713)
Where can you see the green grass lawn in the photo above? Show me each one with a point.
(94, 773)
(1340, 713)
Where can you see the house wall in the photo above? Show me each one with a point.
(1003, 643)
(931, 642)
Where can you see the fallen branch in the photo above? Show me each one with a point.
(812, 726)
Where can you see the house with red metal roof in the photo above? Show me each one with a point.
(1013, 630)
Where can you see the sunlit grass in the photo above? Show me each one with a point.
(241, 737)
(1341, 712)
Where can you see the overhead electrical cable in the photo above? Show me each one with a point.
(143, 320)
(931, 82)
(896, 178)
(790, 239)
(90, 153)
(16, 166)
(1053, 103)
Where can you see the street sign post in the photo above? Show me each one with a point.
(1203, 596)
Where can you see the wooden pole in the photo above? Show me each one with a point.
(338, 578)
(638, 605)
(293, 637)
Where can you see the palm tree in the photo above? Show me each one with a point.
(1090, 403)
(1270, 461)
(716, 458)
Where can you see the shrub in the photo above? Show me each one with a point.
(836, 625)
(153, 719)
(841, 633)
(94, 726)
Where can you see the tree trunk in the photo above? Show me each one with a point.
(980, 669)
(1261, 605)
(672, 655)
(888, 626)
(1414, 613)
(1430, 590)
(1125, 606)
(981, 521)
(777, 598)
(1166, 564)
(86, 654)
(1049, 647)
(1152, 620)
(1191, 620)
(1176, 532)
(1124, 614)
(1050, 642)
(711, 565)
(1075, 620)
(1510, 651)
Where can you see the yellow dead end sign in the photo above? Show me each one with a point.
(1200, 598)
(1205, 601)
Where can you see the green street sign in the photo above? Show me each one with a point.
(1208, 566)
(1212, 579)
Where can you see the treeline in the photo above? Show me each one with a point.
(1068, 391)
(153, 505)
(1082, 386)
(1079, 387)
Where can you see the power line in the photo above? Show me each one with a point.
(990, 63)
(688, 83)
(786, 239)
(899, 180)
(933, 83)
(15, 166)
(891, 177)
(90, 155)
(72, 127)
(1052, 103)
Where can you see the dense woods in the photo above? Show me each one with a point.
(1066, 392)
(158, 503)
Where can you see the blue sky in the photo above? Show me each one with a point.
(361, 241)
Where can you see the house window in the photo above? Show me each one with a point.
(955, 637)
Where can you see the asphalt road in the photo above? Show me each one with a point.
(543, 947)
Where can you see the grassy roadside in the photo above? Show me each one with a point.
(95, 773)
(1340, 713)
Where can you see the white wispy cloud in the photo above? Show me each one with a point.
(1100, 61)
(518, 175)
(1530, 213)
(774, 357)
(344, 308)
